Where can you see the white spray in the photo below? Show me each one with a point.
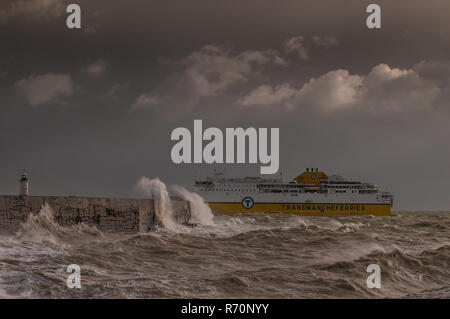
(157, 190)
(40, 227)
(200, 211)
(43, 227)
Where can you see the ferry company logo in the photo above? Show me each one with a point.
(248, 202)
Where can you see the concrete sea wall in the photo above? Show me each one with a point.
(107, 214)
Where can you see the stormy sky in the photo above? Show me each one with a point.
(87, 112)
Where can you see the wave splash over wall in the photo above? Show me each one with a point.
(157, 190)
(200, 211)
(42, 227)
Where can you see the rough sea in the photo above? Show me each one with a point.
(235, 256)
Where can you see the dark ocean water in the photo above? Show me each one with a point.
(241, 256)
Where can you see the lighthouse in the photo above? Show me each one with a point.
(23, 179)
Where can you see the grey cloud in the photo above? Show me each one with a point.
(145, 101)
(326, 41)
(96, 68)
(32, 9)
(296, 45)
(212, 70)
(397, 90)
(209, 72)
(439, 70)
(40, 89)
(114, 92)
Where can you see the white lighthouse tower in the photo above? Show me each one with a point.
(23, 179)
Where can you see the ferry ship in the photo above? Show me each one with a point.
(312, 193)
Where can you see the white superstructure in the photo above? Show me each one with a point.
(310, 187)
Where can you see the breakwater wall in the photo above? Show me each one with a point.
(107, 214)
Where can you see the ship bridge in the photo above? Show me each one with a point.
(311, 177)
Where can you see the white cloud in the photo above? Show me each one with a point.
(266, 95)
(334, 90)
(325, 41)
(145, 101)
(383, 90)
(296, 45)
(383, 73)
(32, 9)
(96, 68)
(40, 89)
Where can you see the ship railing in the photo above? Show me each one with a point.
(368, 191)
(203, 183)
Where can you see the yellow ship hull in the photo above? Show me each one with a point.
(305, 209)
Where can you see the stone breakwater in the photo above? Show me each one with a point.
(107, 214)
